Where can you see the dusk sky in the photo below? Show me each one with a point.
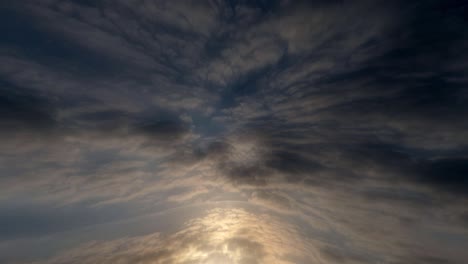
(233, 132)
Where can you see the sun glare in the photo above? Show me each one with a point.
(235, 236)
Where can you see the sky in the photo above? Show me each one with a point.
(233, 132)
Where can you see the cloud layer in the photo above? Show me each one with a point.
(233, 132)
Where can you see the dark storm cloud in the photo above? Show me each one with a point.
(164, 129)
(105, 120)
(49, 48)
(451, 174)
(393, 195)
(22, 109)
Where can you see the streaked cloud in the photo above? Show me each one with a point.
(233, 132)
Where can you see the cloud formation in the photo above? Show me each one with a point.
(223, 235)
(335, 130)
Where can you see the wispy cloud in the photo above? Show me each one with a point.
(339, 126)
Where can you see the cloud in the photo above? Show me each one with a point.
(446, 173)
(25, 110)
(227, 235)
(163, 130)
(340, 124)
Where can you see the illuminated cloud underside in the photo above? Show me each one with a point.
(222, 236)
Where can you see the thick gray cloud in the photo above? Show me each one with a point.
(334, 131)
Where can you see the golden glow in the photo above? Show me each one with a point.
(223, 236)
(237, 236)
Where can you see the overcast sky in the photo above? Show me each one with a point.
(233, 132)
